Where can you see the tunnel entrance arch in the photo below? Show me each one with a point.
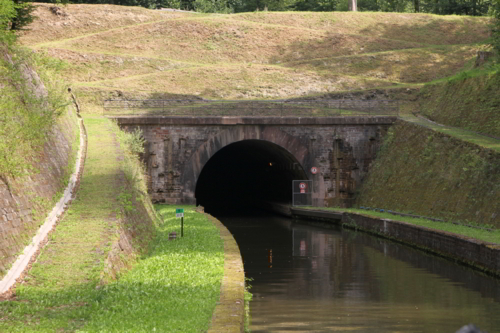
(248, 173)
(270, 141)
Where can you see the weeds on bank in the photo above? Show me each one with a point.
(484, 235)
(32, 106)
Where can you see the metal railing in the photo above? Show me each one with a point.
(259, 108)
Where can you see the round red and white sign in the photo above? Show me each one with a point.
(314, 170)
(302, 186)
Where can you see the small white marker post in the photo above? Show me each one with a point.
(179, 212)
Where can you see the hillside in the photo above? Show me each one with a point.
(455, 180)
(126, 51)
(470, 100)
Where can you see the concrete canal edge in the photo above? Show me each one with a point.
(229, 314)
(466, 250)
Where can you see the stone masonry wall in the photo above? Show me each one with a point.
(342, 153)
(480, 254)
(24, 202)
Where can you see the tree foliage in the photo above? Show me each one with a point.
(15, 14)
(7, 13)
(23, 16)
(442, 7)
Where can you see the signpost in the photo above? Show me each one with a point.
(302, 192)
(302, 187)
(179, 212)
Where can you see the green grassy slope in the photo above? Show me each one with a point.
(470, 101)
(430, 173)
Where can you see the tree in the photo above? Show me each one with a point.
(23, 16)
(212, 6)
(7, 13)
(353, 5)
(316, 5)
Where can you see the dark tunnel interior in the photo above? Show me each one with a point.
(245, 174)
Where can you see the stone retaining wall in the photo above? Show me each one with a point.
(479, 254)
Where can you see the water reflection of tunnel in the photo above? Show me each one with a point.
(247, 172)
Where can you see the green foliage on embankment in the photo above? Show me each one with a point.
(469, 100)
(30, 103)
(432, 174)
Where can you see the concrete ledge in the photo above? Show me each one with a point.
(231, 120)
(229, 314)
(466, 250)
(322, 215)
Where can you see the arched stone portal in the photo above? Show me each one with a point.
(249, 148)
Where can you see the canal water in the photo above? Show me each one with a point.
(312, 279)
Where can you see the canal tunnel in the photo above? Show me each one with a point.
(246, 174)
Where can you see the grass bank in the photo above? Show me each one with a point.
(39, 139)
(481, 234)
(59, 292)
(168, 286)
(172, 289)
(468, 100)
(429, 173)
(458, 133)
